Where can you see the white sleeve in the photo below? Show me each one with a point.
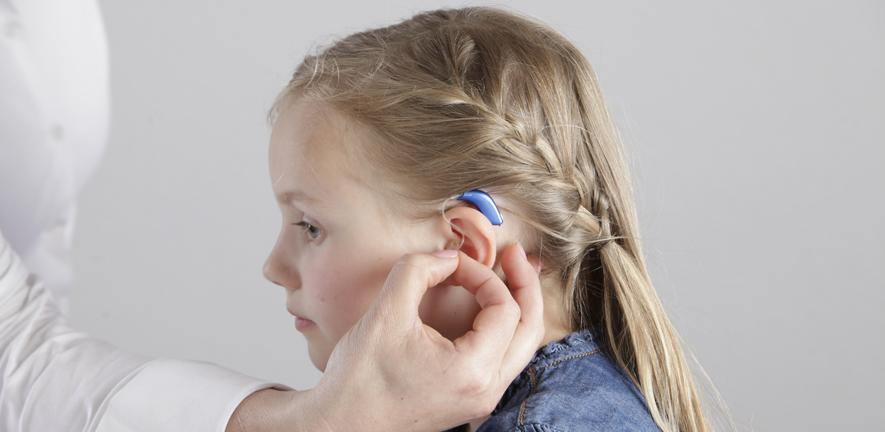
(57, 379)
(178, 395)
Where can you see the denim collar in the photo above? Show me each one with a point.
(573, 344)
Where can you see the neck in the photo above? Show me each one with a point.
(556, 325)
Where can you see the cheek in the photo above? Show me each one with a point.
(344, 291)
(338, 295)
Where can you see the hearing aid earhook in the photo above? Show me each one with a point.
(484, 202)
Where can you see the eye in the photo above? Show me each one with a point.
(312, 231)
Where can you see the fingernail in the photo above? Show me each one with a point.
(446, 253)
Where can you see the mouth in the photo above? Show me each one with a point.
(301, 323)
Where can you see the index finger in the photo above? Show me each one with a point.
(409, 279)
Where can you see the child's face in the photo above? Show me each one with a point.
(333, 268)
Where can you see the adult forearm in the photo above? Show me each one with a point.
(272, 410)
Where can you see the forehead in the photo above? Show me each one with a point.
(308, 151)
(312, 151)
(304, 136)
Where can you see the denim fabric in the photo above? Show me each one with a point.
(569, 386)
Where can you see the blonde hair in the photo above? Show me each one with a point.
(481, 97)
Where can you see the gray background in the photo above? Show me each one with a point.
(756, 136)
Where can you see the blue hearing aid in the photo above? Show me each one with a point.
(484, 203)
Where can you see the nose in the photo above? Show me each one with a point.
(277, 271)
(269, 272)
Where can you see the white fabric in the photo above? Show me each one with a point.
(54, 114)
(53, 378)
(203, 398)
(57, 379)
(54, 109)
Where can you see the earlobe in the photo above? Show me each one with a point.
(470, 229)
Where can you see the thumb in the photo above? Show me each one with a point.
(407, 282)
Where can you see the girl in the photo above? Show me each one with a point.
(375, 135)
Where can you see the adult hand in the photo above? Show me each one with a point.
(393, 372)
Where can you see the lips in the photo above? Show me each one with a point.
(301, 323)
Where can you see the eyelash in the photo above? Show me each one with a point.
(306, 226)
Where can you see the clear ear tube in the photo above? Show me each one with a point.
(455, 227)
(462, 238)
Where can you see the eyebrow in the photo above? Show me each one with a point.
(290, 196)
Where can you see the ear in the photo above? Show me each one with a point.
(479, 237)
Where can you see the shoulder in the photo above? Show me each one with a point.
(571, 385)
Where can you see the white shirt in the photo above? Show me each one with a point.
(53, 125)
(54, 109)
(57, 379)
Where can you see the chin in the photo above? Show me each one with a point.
(319, 359)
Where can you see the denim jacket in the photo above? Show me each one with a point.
(570, 386)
